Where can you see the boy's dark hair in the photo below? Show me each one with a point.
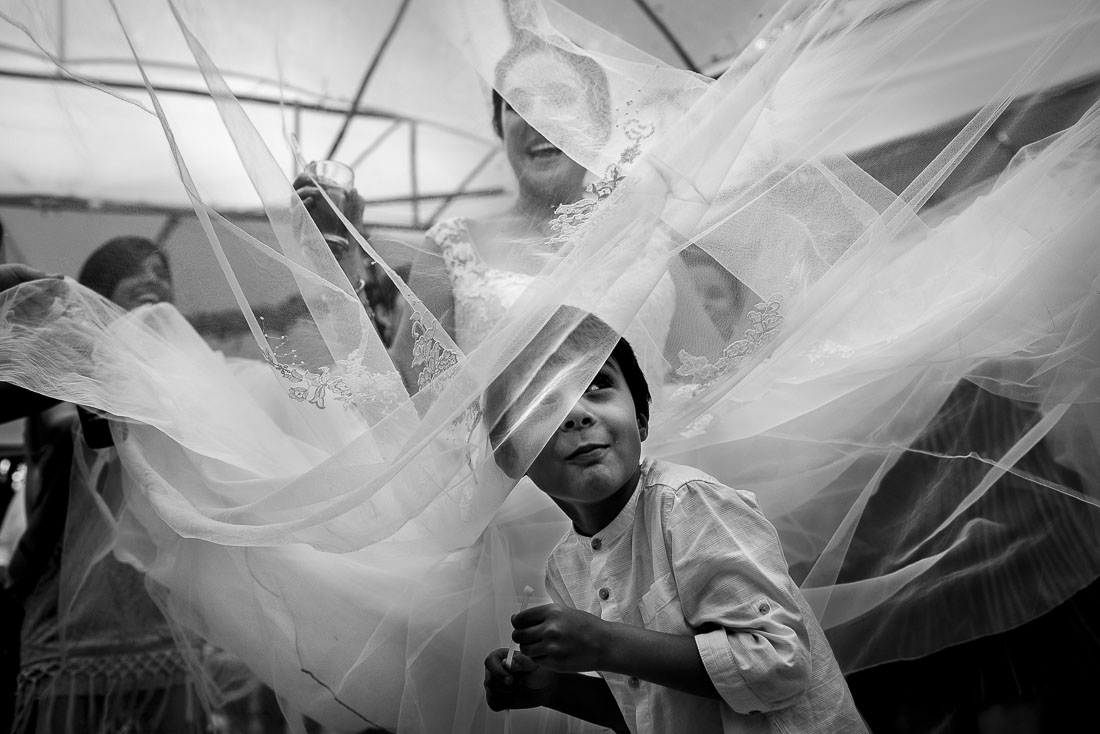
(624, 356)
(590, 332)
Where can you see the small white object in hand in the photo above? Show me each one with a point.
(527, 591)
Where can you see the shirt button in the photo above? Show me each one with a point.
(632, 682)
(597, 544)
(764, 609)
(605, 593)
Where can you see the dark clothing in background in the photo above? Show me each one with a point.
(1027, 535)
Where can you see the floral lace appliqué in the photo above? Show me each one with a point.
(766, 320)
(482, 294)
(346, 380)
(429, 354)
(571, 217)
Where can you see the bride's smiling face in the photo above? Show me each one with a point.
(541, 169)
(545, 89)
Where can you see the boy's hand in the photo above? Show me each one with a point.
(562, 639)
(525, 686)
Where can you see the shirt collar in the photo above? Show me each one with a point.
(625, 518)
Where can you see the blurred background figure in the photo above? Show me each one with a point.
(14, 403)
(96, 652)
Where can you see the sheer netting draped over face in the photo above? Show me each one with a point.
(900, 362)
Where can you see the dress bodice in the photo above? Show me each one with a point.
(482, 295)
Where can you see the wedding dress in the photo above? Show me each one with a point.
(355, 543)
(483, 294)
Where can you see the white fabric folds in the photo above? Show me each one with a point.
(906, 379)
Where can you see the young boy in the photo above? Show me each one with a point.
(670, 585)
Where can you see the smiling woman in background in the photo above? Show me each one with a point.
(97, 654)
(131, 271)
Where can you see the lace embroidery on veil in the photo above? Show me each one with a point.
(766, 322)
(349, 382)
(429, 354)
(572, 217)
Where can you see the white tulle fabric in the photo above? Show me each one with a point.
(483, 294)
(355, 542)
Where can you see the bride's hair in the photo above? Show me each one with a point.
(590, 78)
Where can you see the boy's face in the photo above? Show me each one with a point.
(592, 459)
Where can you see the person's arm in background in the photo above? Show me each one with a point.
(96, 428)
(430, 281)
(428, 276)
(17, 402)
(49, 441)
(12, 274)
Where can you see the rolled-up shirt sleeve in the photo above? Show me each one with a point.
(735, 591)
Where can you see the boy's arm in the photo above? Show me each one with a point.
(567, 640)
(751, 645)
(734, 589)
(528, 685)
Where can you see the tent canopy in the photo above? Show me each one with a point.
(374, 84)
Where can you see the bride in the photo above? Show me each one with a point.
(352, 539)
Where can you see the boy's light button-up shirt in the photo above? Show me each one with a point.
(689, 556)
